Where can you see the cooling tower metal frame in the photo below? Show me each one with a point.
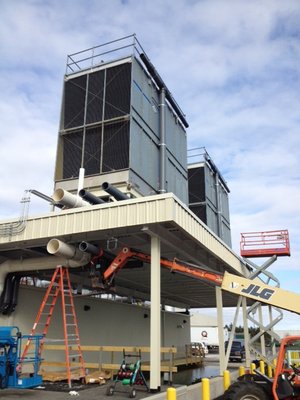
(98, 132)
(208, 193)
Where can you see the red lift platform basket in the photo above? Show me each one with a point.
(263, 244)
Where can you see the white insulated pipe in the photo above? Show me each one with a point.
(80, 180)
(33, 264)
(70, 252)
(68, 199)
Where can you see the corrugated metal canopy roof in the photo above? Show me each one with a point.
(129, 223)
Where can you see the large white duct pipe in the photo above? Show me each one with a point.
(70, 252)
(33, 264)
(68, 199)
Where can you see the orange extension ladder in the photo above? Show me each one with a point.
(60, 286)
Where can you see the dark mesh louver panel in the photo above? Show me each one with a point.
(117, 98)
(200, 211)
(74, 101)
(95, 97)
(116, 147)
(92, 151)
(72, 154)
(196, 181)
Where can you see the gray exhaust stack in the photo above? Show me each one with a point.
(92, 199)
(86, 247)
(116, 193)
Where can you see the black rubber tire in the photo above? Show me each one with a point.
(132, 393)
(110, 390)
(249, 378)
(243, 390)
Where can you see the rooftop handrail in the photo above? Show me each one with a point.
(78, 61)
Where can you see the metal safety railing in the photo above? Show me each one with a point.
(18, 226)
(96, 55)
(269, 244)
(113, 51)
(262, 244)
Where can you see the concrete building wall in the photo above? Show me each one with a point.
(100, 322)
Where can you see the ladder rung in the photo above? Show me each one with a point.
(59, 287)
(77, 368)
(53, 340)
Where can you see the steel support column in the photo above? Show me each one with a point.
(262, 338)
(155, 317)
(246, 331)
(219, 303)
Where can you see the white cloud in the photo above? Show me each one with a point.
(232, 66)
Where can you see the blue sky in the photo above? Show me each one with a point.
(232, 66)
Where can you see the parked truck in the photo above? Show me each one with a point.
(207, 335)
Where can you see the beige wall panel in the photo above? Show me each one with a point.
(106, 323)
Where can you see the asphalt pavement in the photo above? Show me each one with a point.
(98, 392)
(91, 392)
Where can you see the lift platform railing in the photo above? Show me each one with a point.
(263, 244)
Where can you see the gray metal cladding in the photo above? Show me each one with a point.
(92, 150)
(72, 149)
(116, 147)
(117, 94)
(208, 199)
(74, 102)
(89, 99)
(111, 122)
(95, 98)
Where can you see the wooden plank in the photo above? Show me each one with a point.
(111, 348)
(166, 365)
(104, 366)
(187, 361)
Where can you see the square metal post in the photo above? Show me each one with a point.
(155, 317)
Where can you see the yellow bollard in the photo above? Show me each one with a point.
(241, 370)
(262, 366)
(205, 389)
(270, 371)
(171, 393)
(252, 368)
(226, 379)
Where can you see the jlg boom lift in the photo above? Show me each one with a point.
(286, 381)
